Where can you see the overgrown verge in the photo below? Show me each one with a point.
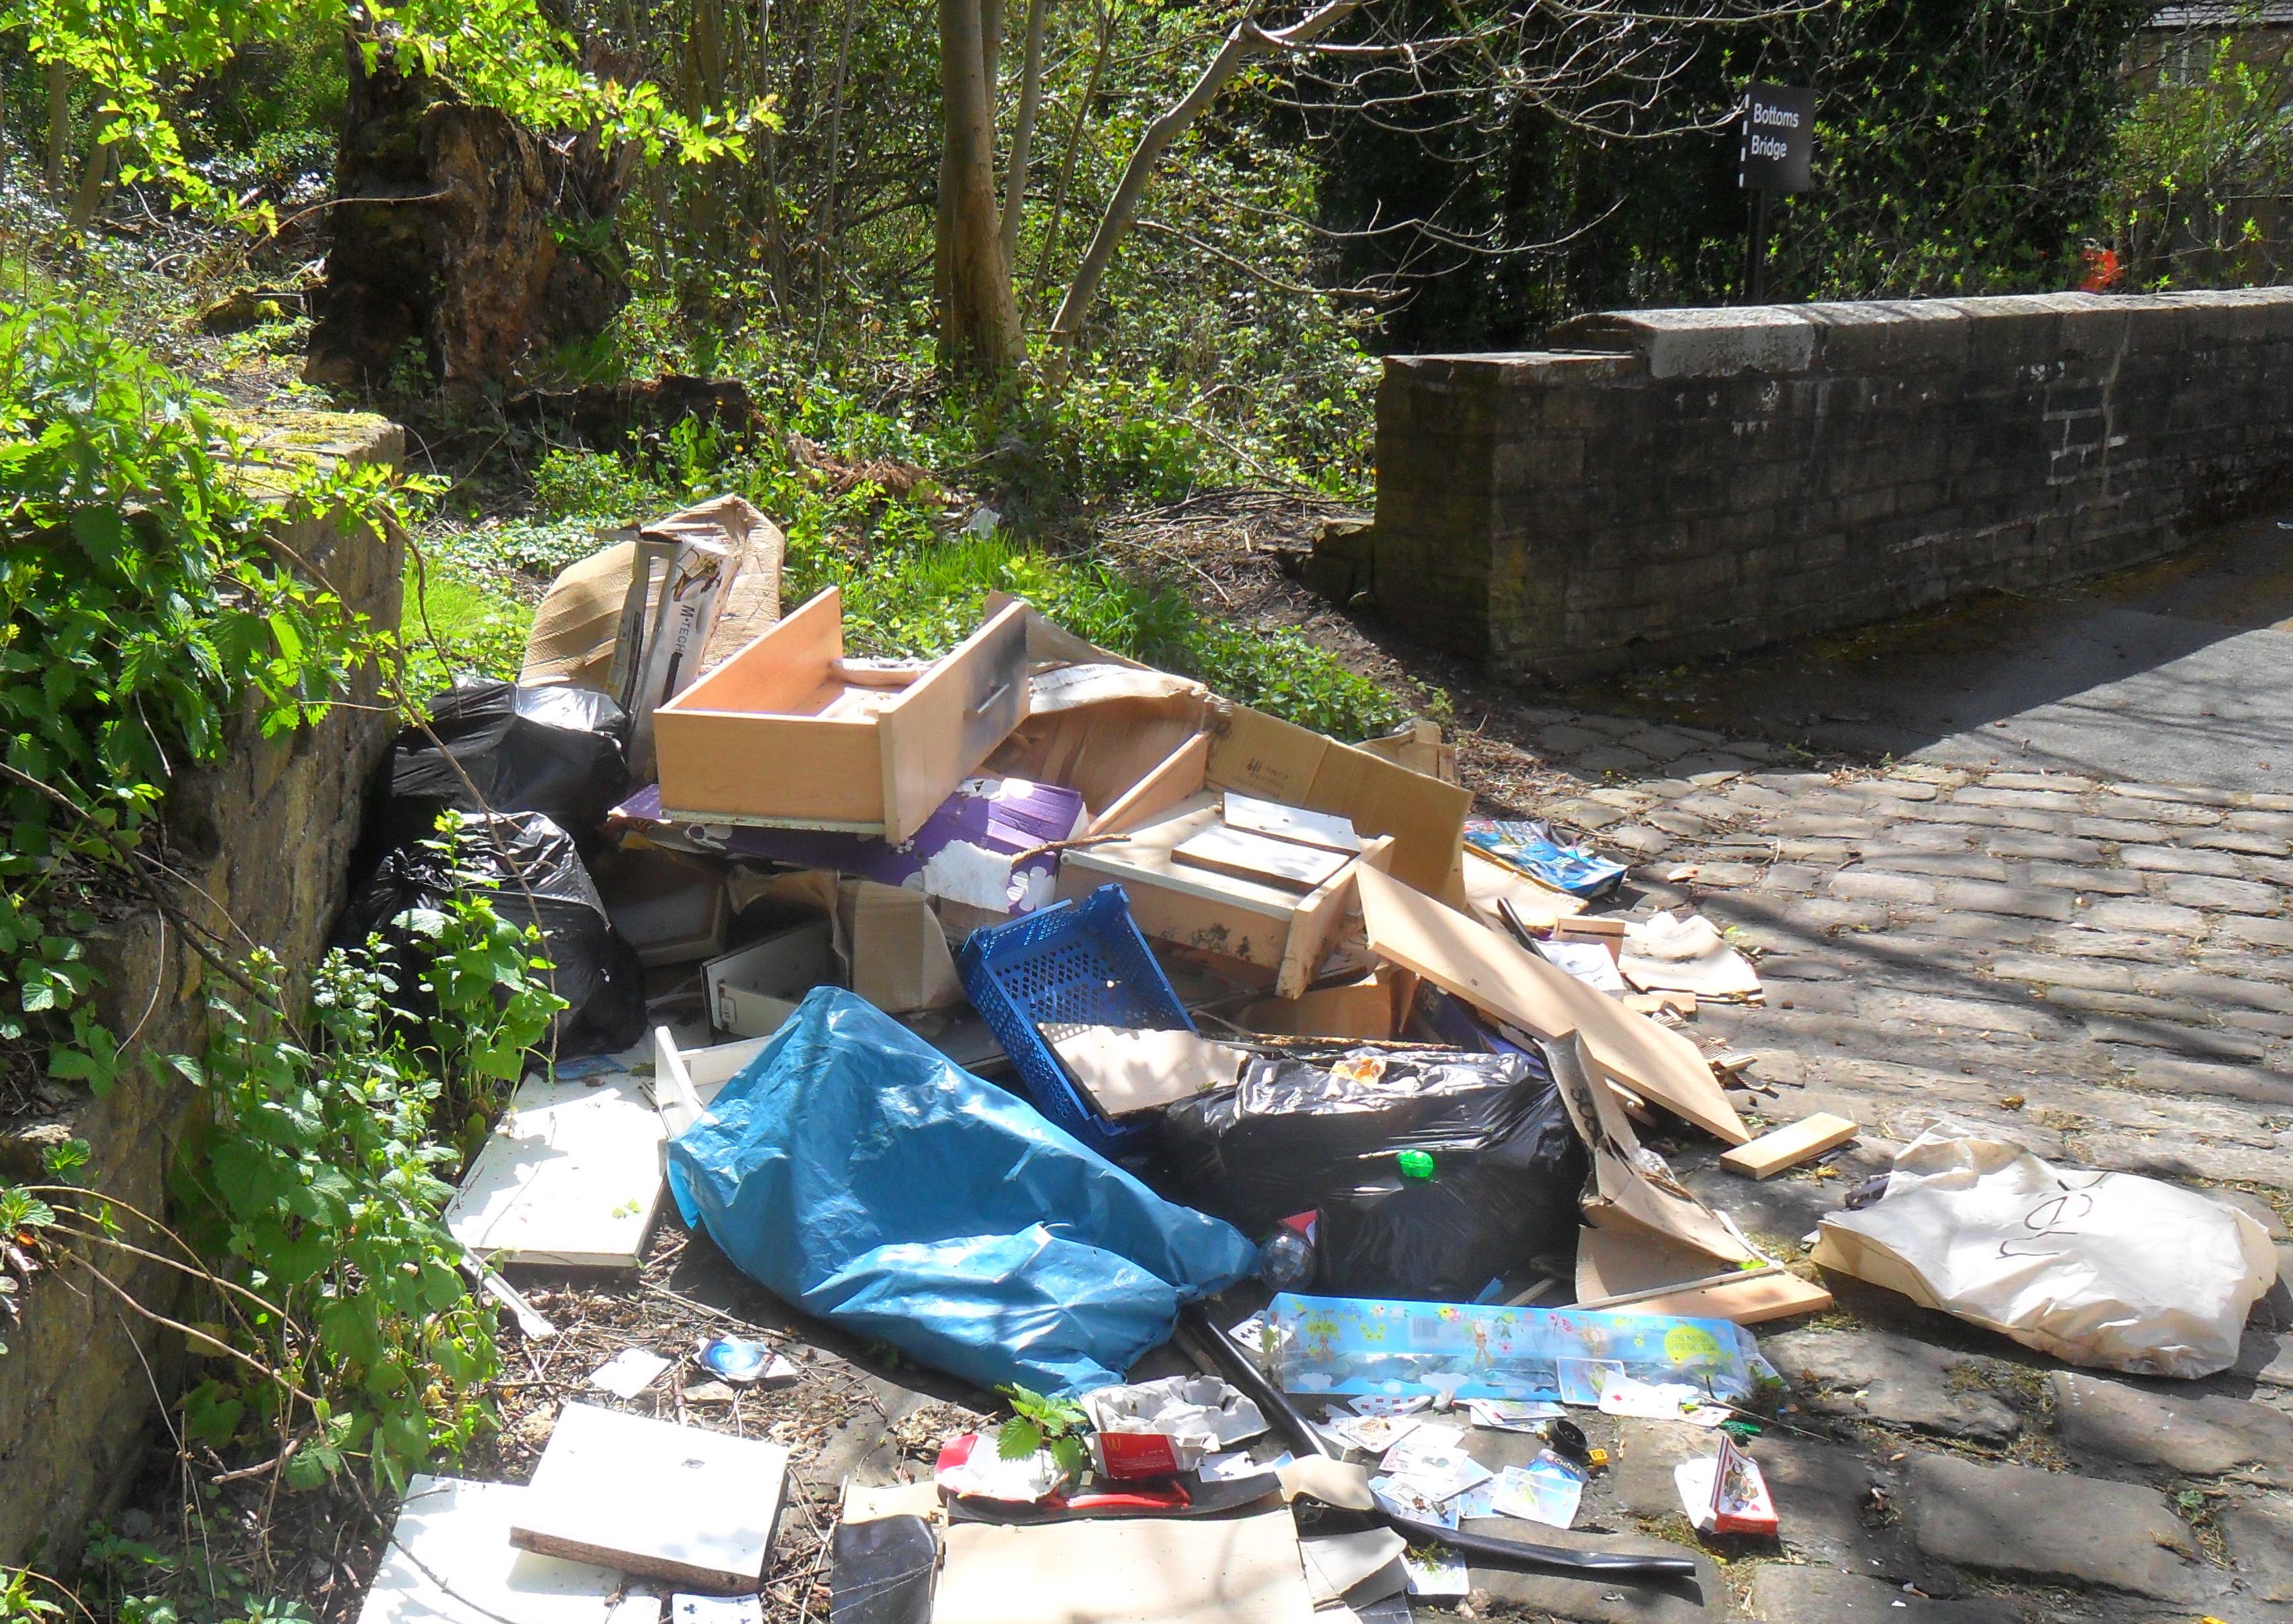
(151, 610)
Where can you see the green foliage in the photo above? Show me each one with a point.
(592, 485)
(2205, 162)
(143, 605)
(458, 622)
(320, 1179)
(1038, 1423)
(21, 1601)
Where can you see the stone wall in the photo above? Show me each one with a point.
(1664, 483)
(265, 836)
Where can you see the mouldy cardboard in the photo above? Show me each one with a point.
(776, 736)
(1129, 1571)
(450, 1561)
(571, 1177)
(1493, 973)
(651, 1498)
(753, 989)
(1272, 932)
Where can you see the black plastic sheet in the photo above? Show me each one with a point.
(1294, 1135)
(529, 869)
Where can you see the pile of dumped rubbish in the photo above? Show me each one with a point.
(1031, 1012)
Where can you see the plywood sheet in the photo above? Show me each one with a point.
(649, 1497)
(1260, 857)
(1134, 1571)
(1466, 958)
(450, 1561)
(571, 1177)
(1125, 1070)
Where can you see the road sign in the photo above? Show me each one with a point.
(1778, 138)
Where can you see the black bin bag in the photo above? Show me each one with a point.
(546, 748)
(504, 858)
(1294, 1135)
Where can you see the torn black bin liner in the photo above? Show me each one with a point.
(594, 970)
(546, 748)
(1294, 1135)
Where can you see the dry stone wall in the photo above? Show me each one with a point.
(266, 839)
(1664, 483)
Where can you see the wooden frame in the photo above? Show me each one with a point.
(773, 736)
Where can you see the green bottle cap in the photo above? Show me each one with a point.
(1416, 1164)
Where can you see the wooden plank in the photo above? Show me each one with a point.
(1617, 1269)
(1257, 856)
(651, 1498)
(1771, 1153)
(1489, 881)
(1329, 831)
(450, 1561)
(1318, 919)
(1174, 779)
(570, 1178)
(1468, 960)
(1144, 855)
(1125, 1070)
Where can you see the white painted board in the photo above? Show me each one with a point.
(1260, 857)
(450, 1561)
(649, 1497)
(571, 1177)
(1327, 830)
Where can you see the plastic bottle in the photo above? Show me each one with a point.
(1285, 1262)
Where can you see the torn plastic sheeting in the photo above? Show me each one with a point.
(968, 850)
(864, 1178)
(1294, 1135)
(529, 869)
(2101, 1268)
(553, 750)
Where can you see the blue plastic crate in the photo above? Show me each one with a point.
(1073, 964)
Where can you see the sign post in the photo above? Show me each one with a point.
(1778, 144)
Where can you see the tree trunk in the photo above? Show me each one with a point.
(1067, 159)
(59, 124)
(1246, 41)
(979, 317)
(94, 176)
(1023, 133)
(474, 241)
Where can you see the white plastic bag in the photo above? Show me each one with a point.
(2100, 1269)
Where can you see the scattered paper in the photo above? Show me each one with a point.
(1512, 1415)
(1404, 1499)
(1671, 953)
(1236, 1464)
(973, 1465)
(1589, 963)
(1546, 1490)
(628, 1372)
(1389, 1404)
(715, 1609)
(1725, 1493)
(1372, 1435)
(1621, 1395)
(1435, 1572)
(1440, 1469)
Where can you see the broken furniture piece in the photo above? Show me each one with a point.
(570, 1178)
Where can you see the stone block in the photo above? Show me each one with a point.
(1880, 1376)
(2020, 1523)
(2198, 1434)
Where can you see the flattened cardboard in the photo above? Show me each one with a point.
(574, 630)
(1625, 1192)
(450, 1561)
(1464, 957)
(1626, 1269)
(1123, 1070)
(571, 1177)
(649, 1497)
(1366, 1008)
(1129, 1571)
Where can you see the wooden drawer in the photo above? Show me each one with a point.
(773, 736)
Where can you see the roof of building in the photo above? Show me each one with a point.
(2225, 14)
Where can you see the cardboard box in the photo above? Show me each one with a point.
(1261, 931)
(892, 949)
(1367, 1008)
(776, 737)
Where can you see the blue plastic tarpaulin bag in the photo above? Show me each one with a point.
(867, 1179)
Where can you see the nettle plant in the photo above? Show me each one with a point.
(149, 609)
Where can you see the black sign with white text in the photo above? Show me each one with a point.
(1778, 138)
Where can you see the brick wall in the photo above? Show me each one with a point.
(1665, 483)
(266, 836)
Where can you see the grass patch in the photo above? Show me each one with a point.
(455, 625)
